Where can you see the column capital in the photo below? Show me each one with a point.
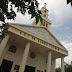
(27, 42)
(62, 55)
(49, 52)
(6, 37)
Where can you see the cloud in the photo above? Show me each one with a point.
(61, 12)
(68, 45)
(22, 19)
(68, 59)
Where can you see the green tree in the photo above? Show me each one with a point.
(68, 68)
(22, 6)
(58, 69)
(69, 1)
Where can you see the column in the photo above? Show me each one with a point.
(53, 65)
(3, 44)
(24, 59)
(62, 64)
(49, 62)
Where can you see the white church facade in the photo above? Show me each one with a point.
(31, 48)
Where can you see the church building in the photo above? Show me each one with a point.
(31, 48)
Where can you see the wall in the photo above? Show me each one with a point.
(39, 62)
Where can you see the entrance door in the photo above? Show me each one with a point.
(29, 69)
(6, 66)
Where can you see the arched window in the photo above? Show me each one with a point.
(12, 49)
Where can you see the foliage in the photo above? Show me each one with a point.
(68, 68)
(58, 69)
(4, 27)
(22, 6)
(69, 1)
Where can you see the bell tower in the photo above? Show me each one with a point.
(44, 11)
(46, 22)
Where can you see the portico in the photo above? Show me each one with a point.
(49, 56)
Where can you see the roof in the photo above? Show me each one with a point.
(40, 32)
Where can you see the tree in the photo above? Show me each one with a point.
(68, 68)
(22, 6)
(58, 69)
(69, 1)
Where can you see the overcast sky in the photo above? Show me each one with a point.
(61, 16)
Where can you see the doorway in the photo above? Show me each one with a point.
(29, 69)
(6, 66)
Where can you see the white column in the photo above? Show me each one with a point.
(49, 62)
(3, 44)
(53, 65)
(62, 64)
(24, 59)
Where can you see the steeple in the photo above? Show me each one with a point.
(44, 11)
(46, 22)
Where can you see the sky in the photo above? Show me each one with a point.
(61, 16)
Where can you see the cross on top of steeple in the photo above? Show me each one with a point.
(45, 3)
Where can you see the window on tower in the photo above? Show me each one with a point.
(45, 11)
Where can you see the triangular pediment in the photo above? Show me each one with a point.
(40, 32)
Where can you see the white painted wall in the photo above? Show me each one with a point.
(39, 62)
